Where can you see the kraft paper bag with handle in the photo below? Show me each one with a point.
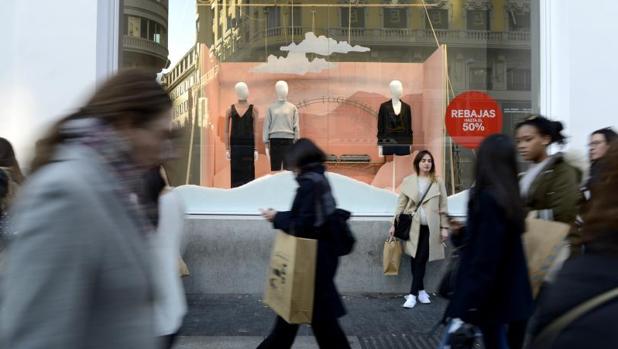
(543, 242)
(391, 257)
(290, 279)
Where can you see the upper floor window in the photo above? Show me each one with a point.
(273, 17)
(519, 21)
(295, 16)
(356, 20)
(478, 20)
(133, 26)
(395, 18)
(438, 18)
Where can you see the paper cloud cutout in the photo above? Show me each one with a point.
(294, 63)
(322, 46)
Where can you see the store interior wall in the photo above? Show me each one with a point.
(49, 64)
(578, 65)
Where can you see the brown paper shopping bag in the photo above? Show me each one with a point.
(543, 242)
(291, 278)
(391, 257)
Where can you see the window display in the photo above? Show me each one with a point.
(240, 137)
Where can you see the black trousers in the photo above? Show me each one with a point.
(396, 150)
(328, 334)
(242, 167)
(278, 150)
(418, 264)
(167, 342)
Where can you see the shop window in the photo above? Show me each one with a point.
(133, 26)
(439, 19)
(356, 21)
(478, 20)
(519, 22)
(395, 18)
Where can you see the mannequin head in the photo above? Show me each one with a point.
(396, 89)
(281, 88)
(242, 91)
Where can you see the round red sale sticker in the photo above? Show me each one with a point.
(471, 117)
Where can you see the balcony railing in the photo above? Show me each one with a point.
(141, 45)
(385, 36)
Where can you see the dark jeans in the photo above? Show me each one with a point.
(494, 336)
(328, 334)
(418, 264)
(167, 342)
(278, 150)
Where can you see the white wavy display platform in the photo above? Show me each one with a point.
(277, 191)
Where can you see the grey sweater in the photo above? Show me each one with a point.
(281, 121)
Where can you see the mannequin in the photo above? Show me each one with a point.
(240, 137)
(281, 128)
(395, 125)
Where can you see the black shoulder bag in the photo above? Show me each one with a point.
(336, 225)
(403, 222)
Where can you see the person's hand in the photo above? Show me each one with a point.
(256, 155)
(268, 214)
(391, 233)
(455, 225)
(444, 234)
(227, 155)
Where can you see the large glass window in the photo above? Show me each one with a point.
(338, 84)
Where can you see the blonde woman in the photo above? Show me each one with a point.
(429, 228)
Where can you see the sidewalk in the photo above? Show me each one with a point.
(373, 322)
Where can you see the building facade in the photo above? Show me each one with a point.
(144, 34)
(182, 82)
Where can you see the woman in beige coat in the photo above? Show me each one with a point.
(429, 224)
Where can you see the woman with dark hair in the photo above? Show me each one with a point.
(79, 269)
(424, 196)
(551, 185)
(304, 220)
(586, 277)
(9, 165)
(9, 161)
(492, 286)
(600, 141)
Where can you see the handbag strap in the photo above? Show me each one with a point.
(549, 334)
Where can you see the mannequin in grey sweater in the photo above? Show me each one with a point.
(281, 127)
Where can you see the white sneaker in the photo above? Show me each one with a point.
(423, 297)
(410, 301)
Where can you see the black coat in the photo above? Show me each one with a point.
(492, 284)
(581, 279)
(394, 129)
(301, 221)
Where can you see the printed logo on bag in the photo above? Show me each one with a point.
(278, 275)
(472, 116)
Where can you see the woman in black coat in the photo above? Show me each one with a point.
(492, 286)
(312, 204)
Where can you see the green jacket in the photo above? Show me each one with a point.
(556, 189)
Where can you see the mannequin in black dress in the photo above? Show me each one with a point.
(240, 138)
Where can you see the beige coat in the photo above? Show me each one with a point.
(435, 207)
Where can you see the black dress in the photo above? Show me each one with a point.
(395, 130)
(242, 147)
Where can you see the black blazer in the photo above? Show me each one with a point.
(300, 221)
(492, 284)
(394, 129)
